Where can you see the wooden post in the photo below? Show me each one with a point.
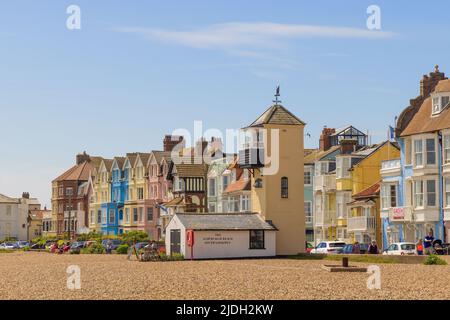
(345, 262)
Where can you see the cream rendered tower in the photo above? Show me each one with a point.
(274, 156)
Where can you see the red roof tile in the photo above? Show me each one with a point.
(371, 191)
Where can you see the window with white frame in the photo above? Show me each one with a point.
(245, 203)
(446, 143)
(418, 194)
(418, 153)
(444, 101)
(431, 151)
(342, 167)
(431, 193)
(436, 105)
(447, 192)
(212, 207)
(307, 176)
(212, 187)
(225, 182)
(111, 216)
(321, 168)
(308, 211)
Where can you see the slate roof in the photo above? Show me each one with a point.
(277, 114)
(224, 221)
(318, 154)
(108, 164)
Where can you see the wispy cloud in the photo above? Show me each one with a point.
(235, 35)
(264, 42)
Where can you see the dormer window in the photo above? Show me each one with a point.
(439, 103)
(444, 101)
(436, 105)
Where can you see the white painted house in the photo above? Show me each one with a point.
(221, 235)
(13, 216)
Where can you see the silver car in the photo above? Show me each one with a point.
(9, 246)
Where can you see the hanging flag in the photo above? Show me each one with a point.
(391, 133)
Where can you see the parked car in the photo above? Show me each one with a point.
(37, 246)
(329, 247)
(114, 243)
(77, 245)
(309, 247)
(23, 244)
(9, 246)
(401, 249)
(348, 248)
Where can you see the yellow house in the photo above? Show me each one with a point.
(273, 151)
(101, 194)
(359, 174)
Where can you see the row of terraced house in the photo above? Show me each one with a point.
(352, 190)
(398, 190)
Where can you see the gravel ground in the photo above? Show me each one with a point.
(29, 275)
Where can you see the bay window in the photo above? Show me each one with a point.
(431, 193)
(446, 148)
(418, 194)
(388, 196)
(418, 156)
(447, 192)
(308, 211)
(342, 167)
(245, 203)
(431, 151)
(212, 187)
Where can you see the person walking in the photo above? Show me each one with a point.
(419, 247)
(356, 248)
(428, 245)
(373, 248)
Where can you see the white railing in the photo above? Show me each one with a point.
(361, 223)
(323, 218)
(324, 182)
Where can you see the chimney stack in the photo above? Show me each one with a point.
(348, 146)
(171, 141)
(324, 141)
(429, 82)
(82, 157)
(25, 195)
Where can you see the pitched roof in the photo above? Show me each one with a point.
(108, 164)
(76, 173)
(423, 121)
(224, 221)
(319, 154)
(120, 162)
(191, 170)
(277, 114)
(144, 158)
(443, 86)
(159, 155)
(371, 191)
(175, 202)
(240, 185)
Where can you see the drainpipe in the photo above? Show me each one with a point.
(441, 223)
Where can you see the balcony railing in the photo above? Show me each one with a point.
(323, 218)
(361, 224)
(390, 166)
(324, 182)
(251, 158)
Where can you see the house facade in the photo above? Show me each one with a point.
(416, 187)
(69, 201)
(15, 216)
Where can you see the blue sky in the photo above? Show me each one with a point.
(138, 70)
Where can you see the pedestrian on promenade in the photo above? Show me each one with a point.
(429, 243)
(373, 248)
(419, 247)
(356, 248)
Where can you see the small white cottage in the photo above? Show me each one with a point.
(220, 235)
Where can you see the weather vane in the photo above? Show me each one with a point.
(277, 94)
